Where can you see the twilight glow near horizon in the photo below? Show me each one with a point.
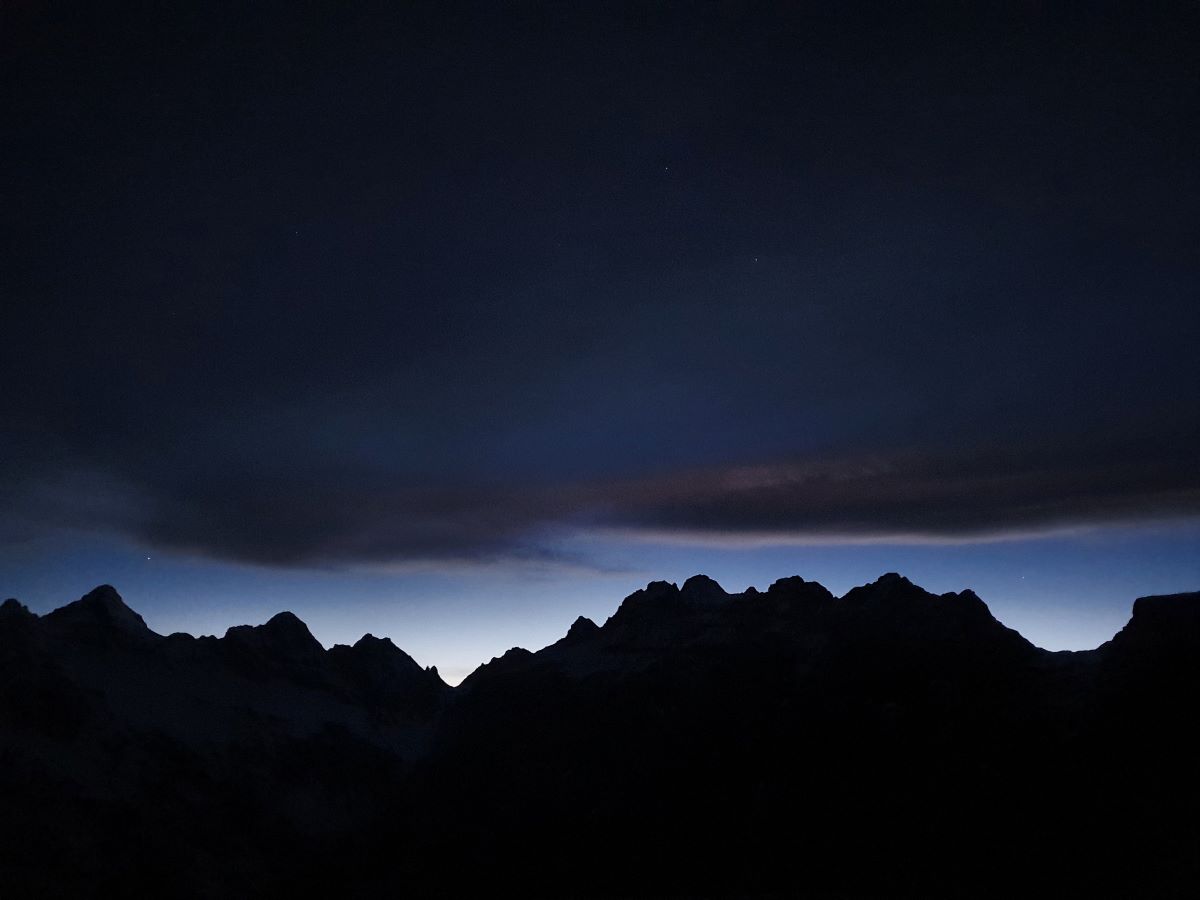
(454, 322)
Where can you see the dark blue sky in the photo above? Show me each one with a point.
(403, 304)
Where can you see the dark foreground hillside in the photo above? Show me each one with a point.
(698, 744)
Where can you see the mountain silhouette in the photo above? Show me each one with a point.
(890, 742)
(100, 615)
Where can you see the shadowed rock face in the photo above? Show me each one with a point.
(891, 742)
(284, 637)
(13, 610)
(100, 615)
(1160, 622)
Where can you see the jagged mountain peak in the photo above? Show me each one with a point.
(796, 588)
(283, 623)
(646, 601)
(102, 609)
(582, 627)
(925, 695)
(12, 608)
(582, 631)
(284, 634)
(894, 609)
(369, 641)
(785, 584)
(702, 589)
(898, 592)
(889, 588)
(382, 655)
(513, 653)
(658, 589)
(382, 669)
(512, 660)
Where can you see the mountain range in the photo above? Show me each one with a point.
(890, 742)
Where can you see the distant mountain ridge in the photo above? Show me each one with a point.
(262, 764)
(890, 606)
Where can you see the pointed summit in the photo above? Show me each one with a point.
(101, 611)
(282, 637)
(702, 589)
(512, 660)
(387, 677)
(894, 607)
(381, 658)
(369, 640)
(649, 601)
(890, 588)
(287, 627)
(13, 609)
(581, 628)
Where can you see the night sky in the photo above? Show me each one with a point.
(453, 322)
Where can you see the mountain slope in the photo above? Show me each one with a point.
(890, 742)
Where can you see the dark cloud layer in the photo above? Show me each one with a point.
(920, 496)
(327, 285)
(350, 518)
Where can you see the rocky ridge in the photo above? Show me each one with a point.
(730, 732)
